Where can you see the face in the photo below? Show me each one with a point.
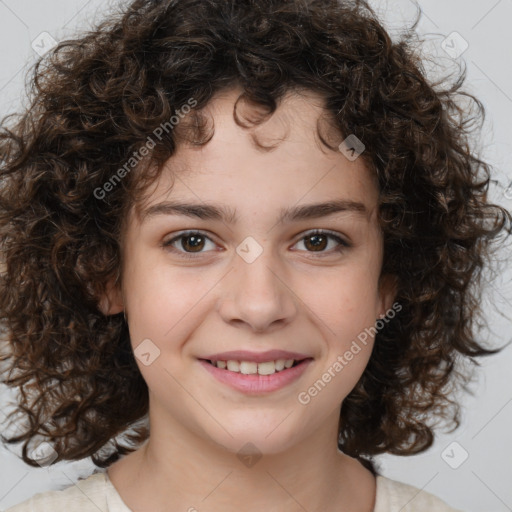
(246, 272)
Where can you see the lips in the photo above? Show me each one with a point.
(257, 384)
(256, 372)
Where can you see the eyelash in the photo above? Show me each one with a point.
(330, 234)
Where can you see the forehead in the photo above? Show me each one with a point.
(277, 163)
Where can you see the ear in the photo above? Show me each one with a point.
(388, 286)
(111, 302)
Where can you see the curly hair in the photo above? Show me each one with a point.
(93, 102)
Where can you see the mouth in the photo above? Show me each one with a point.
(253, 368)
(256, 378)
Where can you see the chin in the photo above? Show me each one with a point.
(263, 438)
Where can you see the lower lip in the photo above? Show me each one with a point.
(255, 383)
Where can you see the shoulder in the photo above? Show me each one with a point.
(394, 496)
(86, 495)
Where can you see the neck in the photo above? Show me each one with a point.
(179, 470)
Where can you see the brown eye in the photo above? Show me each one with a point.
(318, 241)
(193, 243)
(188, 244)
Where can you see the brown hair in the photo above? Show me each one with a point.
(95, 100)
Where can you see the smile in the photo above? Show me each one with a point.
(251, 367)
(256, 378)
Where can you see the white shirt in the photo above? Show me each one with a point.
(97, 493)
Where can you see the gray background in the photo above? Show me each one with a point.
(482, 481)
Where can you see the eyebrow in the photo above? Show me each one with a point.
(221, 213)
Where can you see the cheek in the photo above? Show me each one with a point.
(160, 297)
(165, 308)
(345, 301)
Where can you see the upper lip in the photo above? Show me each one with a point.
(257, 357)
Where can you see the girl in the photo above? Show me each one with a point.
(240, 242)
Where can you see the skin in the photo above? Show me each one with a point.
(290, 297)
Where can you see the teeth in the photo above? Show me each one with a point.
(233, 366)
(267, 368)
(252, 368)
(248, 368)
(280, 365)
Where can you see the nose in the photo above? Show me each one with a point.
(256, 295)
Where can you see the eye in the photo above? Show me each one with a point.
(191, 242)
(318, 240)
